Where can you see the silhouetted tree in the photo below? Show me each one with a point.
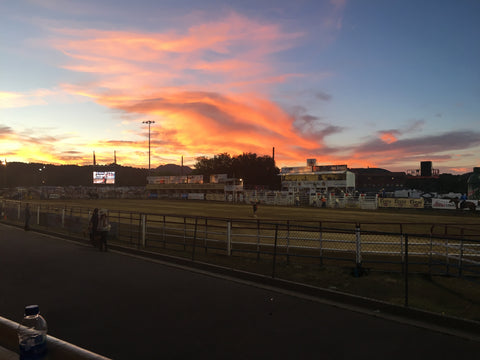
(254, 170)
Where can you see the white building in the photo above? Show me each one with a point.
(323, 180)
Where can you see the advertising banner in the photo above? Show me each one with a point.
(401, 203)
(442, 204)
(450, 205)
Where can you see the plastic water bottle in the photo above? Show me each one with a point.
(32, 334)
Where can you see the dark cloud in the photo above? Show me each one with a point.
(5, 131)
(39, 140)
(413, 126)
(313, 127)
(457, 140)
(309, 119)
(323, 96)
(72, 152)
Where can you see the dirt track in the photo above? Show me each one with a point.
(219, 209)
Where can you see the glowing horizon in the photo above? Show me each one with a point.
(310, 81)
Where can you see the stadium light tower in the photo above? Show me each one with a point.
(149, 122)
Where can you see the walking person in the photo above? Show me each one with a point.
(103, 229)
(92, 226)
(255, 208)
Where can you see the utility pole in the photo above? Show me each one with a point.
(149, 122)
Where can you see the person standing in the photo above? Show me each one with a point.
(255, 208)
(103, 229)
(93, 225)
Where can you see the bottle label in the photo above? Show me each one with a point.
(33, 348)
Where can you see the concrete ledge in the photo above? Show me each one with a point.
(57, 349)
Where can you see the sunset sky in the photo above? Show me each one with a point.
(379, 83)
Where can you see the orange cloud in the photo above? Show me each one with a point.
(208, 88)
(388, 137)
(164, 76)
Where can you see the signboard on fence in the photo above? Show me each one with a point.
(401, 203)
(450, 205)
(443, 204)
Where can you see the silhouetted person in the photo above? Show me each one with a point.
(103, 229)
(93, 225)
(324, 202)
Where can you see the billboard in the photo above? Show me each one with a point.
(186, 179)
(104, 177)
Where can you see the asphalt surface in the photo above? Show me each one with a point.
(125, 307)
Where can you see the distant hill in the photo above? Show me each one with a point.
(172, 170)
(35, 174)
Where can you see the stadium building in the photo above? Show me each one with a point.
(309, 183)
(193, 187)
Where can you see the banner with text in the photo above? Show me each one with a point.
(401, 203)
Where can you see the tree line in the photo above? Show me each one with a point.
(254, 170)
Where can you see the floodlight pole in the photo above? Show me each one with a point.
(149, 122)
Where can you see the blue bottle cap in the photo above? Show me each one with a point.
(32, 310)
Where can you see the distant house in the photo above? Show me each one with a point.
(377, 179)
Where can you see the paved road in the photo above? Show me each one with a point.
(129, 308)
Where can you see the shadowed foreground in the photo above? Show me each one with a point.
(129, 308)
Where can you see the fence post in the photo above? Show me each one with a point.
(205, 235)
(430, 259)
(358, 271)
(229, 238)
(320, 242)
(194, 238)
(163, 232)
(460, 256)
(288, 241)
(143, 229)
(402, 253)
(258, 240)
(184, 233)
(131, 228)
(447, 260)
(275, 251)
(406, 270)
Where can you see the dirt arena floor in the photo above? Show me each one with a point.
(227, 210)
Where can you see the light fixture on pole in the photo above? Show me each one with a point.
(149, 122)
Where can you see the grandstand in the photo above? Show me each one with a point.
(312, 179)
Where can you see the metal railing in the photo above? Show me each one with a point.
(445, 249)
